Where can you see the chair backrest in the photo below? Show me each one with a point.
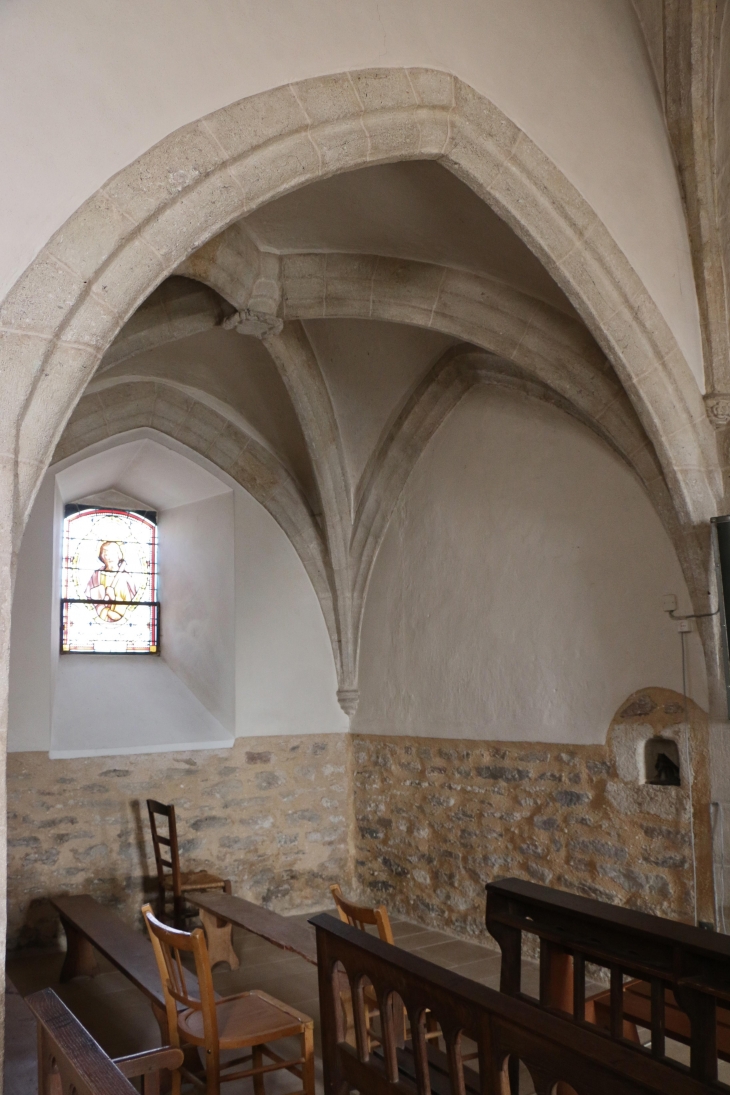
(169, 944)
(160, 841)
(358, 916)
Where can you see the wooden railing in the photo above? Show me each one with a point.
(671, 979)
(70, 1062)
(482, 1030)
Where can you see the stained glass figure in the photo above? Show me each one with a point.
(109, 582)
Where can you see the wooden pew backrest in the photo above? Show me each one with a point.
(67, 1051)
(678, 962)
(504, 1029)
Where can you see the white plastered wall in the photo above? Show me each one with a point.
(227, 667)
(518, 591)
(96, 84)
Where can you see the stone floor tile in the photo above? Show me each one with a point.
(405, 927)
(486, 970)
(424, 938)
(451, 953)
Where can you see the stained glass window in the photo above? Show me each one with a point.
(109, 582)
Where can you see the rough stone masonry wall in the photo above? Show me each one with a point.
(438, 819)
(271, 814)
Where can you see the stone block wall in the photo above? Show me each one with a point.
(437, 820)
(271, 814)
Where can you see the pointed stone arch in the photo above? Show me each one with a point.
(73, 299)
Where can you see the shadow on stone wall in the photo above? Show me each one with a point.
(271, 814)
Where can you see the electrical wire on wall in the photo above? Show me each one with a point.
(717, 817)
(688, 771)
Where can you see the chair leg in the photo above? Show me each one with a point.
(160, 910)
(212, 1072)
(258, 1079)
(177, 915)
(308, 1055)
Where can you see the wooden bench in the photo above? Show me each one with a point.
(90, 926)
(65, 1047)
(218, 909)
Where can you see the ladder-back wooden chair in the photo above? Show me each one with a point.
(173, 884)
(249, 1020)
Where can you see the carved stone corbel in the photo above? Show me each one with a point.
(253, 323)
(718, 409)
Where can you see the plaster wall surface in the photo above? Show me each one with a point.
(285, 673)
(197, 583)
(370, 369)
(97, 85)
(238, 609)
(518, 590)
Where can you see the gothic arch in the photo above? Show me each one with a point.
(64, 311)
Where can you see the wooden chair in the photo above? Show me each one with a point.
(172, 882)
(247, 1020)
(361, 916)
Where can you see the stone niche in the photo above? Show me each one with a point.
(662, 764)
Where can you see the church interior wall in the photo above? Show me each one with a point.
(515, 656)
(481, 746)
(197, 582)
(236, 604)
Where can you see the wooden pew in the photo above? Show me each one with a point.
(20, 1071)
(65, 1047)
(504, 1028)
(217, 910)
(637, 1006)
(90, 926)
(671, 978)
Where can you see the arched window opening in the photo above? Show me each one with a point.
(662, 767)
(109, 581)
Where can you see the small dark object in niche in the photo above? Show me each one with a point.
(667, 772)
